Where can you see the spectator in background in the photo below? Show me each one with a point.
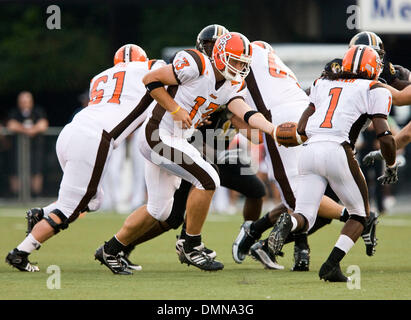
(30, 120)
(83, 99)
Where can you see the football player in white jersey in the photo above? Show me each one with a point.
(197, 86)
(275, 92)
(341, 105)
(118, 104)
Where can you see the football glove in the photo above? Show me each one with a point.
(370, 157)
(390, 174)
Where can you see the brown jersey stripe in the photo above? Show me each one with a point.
(159, 146)
(99, 164)
(132, 116)
(151, 63)
(356, 129)
(276, 161)
(357, 175)
(198, 58)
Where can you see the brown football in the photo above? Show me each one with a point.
(286, 135)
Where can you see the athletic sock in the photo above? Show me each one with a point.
(345, 243)
(114, 246)
(29, 244)
(183, 233)
(258, 227)
(344, 215)
(301, 240)
(191, 242)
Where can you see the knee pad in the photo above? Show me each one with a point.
(358, 218)
(57, 227)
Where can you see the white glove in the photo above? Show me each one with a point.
(390, 174)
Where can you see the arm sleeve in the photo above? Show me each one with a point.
(185, 68)
(380, 102)
(239, 92)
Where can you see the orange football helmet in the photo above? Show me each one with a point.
(129, 53)
(362, 58)
(232, 54)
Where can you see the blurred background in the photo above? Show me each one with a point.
(45, 72)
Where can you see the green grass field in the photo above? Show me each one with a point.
(387, 275)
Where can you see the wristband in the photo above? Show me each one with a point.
(176, 110)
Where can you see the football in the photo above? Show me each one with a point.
(286, 135)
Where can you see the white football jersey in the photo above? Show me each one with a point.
(197, 92)
(344, 107)
(276, 83)
(118, 100)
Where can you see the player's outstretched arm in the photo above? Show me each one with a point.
(253, 118)
(302, 123)
(400, 98)
(155, 82)
(388, 150)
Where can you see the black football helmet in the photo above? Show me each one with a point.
(369, 39)
(208, 36)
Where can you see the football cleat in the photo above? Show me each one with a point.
(130, 265)
(19, 260)
(243, 242)
(369, 234)
(301, 259)
(33, 216)
(259, 252)
(198, 258)
(114, 263)
(279, 233)
(180, 243)
(332, 273)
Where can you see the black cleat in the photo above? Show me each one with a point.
(301, 259)
(129, 265)
(180, 243)
(19, 260)
(243, 242)
(279, 233)
(198, 258)
(369, 234)
(332, 273)
(114, 263)
(259, 252)
(33, 216)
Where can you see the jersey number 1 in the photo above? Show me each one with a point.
(335, 96)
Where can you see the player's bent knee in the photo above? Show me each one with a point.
(160, 212)
(58, 226)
